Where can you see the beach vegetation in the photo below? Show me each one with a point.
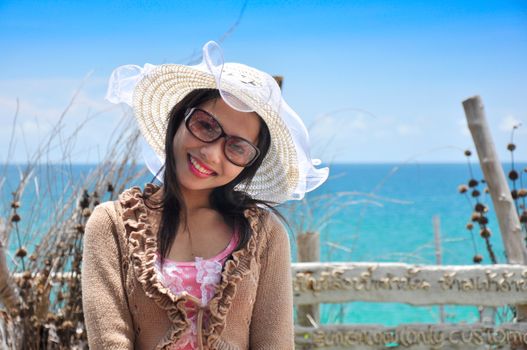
(42, 221)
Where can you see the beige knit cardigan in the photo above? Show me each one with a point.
(126, 306)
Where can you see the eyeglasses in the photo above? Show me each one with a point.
(206, 128)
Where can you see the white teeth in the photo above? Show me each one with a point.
(199, 167)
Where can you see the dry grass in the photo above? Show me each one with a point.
(41, 293)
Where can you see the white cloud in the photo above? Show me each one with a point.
(408, 129)
(333, 133)
(41, 104)
(509, 122)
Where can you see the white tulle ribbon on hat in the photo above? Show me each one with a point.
(265, 89)
(121, 87)
(153, 161)
(309, 177)
(123, 81)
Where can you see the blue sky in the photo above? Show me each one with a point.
(376, 81)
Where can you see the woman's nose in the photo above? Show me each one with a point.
(213, 152)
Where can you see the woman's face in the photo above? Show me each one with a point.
(203, 166)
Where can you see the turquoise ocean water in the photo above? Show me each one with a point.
(380, 212)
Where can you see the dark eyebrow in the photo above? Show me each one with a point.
(223, 126)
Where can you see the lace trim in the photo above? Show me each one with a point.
(170, 276)
(142, 242)
(208, 276)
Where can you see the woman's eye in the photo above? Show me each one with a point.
(237, 148)
(206, 125)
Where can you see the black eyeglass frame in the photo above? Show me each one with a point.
(188, 115)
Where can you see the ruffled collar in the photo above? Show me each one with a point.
(142, 239)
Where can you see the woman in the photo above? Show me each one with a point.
(200, 262)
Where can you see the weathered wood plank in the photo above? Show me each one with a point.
(484, 285)
(412, 336)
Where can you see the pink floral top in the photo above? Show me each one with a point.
(198, 278)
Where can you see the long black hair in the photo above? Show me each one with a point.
(230, 203)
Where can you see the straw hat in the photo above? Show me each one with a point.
(286, 172)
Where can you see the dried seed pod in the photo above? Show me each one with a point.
(33, 257)
(40, 290)
(51, 317)
(34, 319)
(513, 175)
(86, 212)
(486, 190)
(483, 220)
(15, 204)
(85, 200)
(473, 183)
(468, 153)
(109, 188)
(511, 147)
(67, 325)
(475, 216)
(26, 275)
(475, 193)
(523, 217)
(22, 252)
(480, 208)
(60, 296)
(477, 259)
(462, 188)
(80, 228)
(96, 200)
(26, 284)
(522, 192)
(15, 218)
(485, 232)
(23, 312)
(514, 194)
(470, 226)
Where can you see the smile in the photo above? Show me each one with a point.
(199, 168)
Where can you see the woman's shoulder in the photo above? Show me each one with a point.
(137, 193)
(268, 225)
(128, 201)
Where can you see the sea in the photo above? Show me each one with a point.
(363, 213)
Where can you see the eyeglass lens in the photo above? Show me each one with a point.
(207, 129)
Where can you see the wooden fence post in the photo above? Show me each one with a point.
(500, 193)
(308, 244)
(437, 240)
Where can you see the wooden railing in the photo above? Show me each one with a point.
(487, 286)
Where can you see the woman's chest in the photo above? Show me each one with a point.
(204, 236)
